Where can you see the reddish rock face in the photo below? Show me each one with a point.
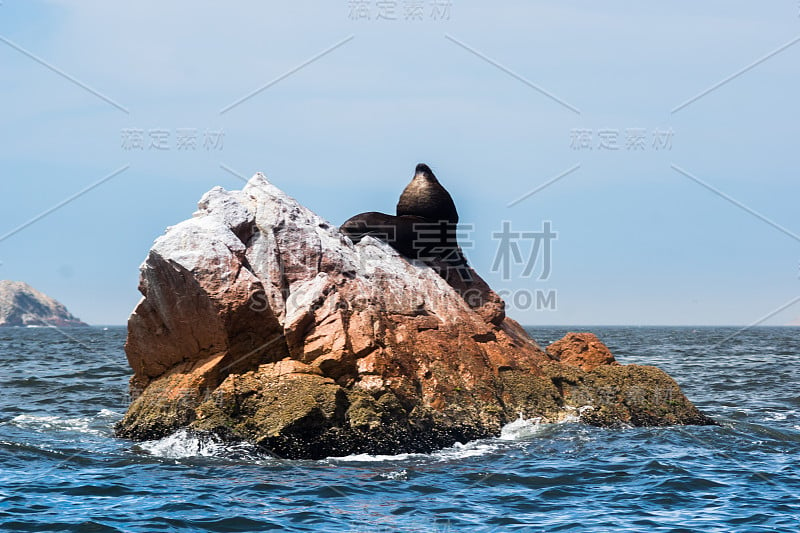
(261, 321)
(583, 350)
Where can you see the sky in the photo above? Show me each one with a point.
(659, 141)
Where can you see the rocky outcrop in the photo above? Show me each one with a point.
(261, 321)
(22, 305)
(583, 350)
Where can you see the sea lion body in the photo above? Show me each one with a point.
(399, 232)
(425, 197)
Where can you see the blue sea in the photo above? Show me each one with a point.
(61, 469)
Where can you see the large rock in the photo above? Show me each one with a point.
(261, 321)
(583, 350)
(22, 305)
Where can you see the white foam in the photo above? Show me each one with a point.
(184, 444)
(521, 428)
(395, 475)
(471, 449)
(516, 431)
(574, 414)
(367, 458)
(54, 423)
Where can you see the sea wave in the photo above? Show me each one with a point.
(517, 431)
(94, 425)
(56, 473)
(187, 444)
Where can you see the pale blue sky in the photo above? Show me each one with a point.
(638, 242)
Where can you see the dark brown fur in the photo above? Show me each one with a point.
(425, 197)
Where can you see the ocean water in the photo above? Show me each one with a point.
(61, 469)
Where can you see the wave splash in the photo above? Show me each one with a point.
(94, 425)
(187, 444)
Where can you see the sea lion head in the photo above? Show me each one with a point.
(425, 197)
(425, 171)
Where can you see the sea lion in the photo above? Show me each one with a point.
(425, 227)
(425, 197)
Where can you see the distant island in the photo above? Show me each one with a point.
(22, 305)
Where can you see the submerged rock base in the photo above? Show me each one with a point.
(262, 322)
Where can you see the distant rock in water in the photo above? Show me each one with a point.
(22, 305)
(262, 322)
